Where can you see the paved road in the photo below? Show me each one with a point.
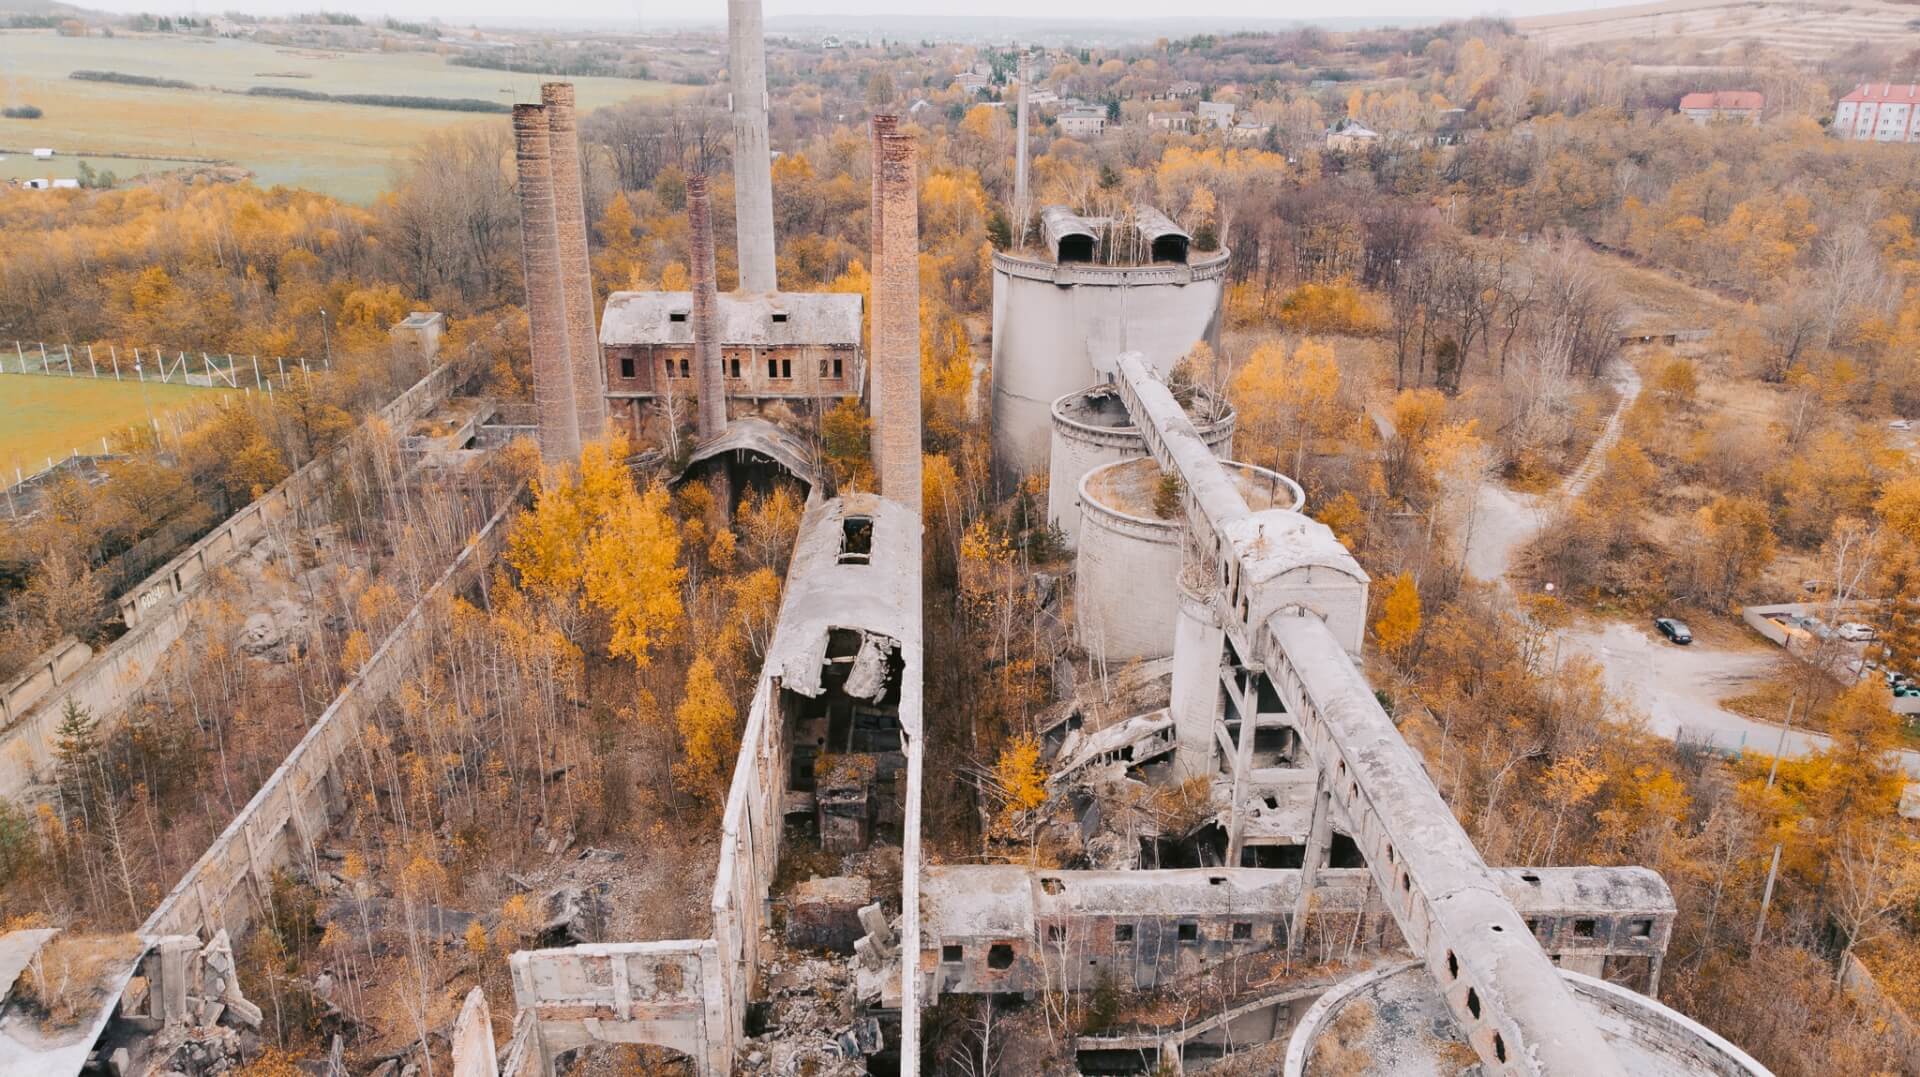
(1679, 689)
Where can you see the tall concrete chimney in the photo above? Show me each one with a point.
(1022, 212)
(709, 383)
(882, 125)
(553, 394)
(752, 154)
(896, 324)
(576, 276)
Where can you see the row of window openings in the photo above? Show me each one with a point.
(1000, 955)
(777, 369)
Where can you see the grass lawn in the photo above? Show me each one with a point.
(48, 415)
(344, 150)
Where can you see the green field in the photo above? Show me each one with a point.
(22, 166)
(45, 415)
(343, 150)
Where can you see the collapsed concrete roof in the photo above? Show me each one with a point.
(770, 320)
(751, 434)
(32, 1043)
(829, 587)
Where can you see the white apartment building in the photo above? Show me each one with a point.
(1882, 113)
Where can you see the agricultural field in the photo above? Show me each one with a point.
(44, 415)
(22, 166)
(340, 149)
(1806, 30)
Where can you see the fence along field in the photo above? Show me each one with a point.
(336, 148)
(59, 401)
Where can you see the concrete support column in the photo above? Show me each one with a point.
(1198, 641)
(1247, 704)
(1319, 836)
(576, 275)
(752, 151)
(709, 381)
(553, 385)
(896, 325)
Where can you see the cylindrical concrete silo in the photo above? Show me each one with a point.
(1127, 570)
(1091, 428)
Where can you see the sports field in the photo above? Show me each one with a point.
(44, 415)
(344, 150)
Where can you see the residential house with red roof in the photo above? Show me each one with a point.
(1709, 106)
(1879, 113)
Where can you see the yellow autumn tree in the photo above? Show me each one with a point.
(1286, 399)
(1021, 777)
(595, 544)
(708, 734)
(1399, 621)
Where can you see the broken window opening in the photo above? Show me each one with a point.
(735, 363)
(856, 540)
(1000, 956)
(677, 316)
(823, 368)
(773, 367)
(1123, 932)
(1052, 885)
(1640, 929)
(780, 316)
(786, 368)
(1056, 933)
(1243, 932)
(684, 368)
(951, 954)
(1584, 929)
(626, 366)
(836, 368)
(1189, 932)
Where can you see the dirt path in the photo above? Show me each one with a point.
(1679, 689)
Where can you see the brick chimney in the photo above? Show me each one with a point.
(576, 277)
(1021, 212)
(882, 125)
(752, 151)
(710, 383)
(896, 323)
(553, 394)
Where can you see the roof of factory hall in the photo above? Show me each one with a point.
(830, 318)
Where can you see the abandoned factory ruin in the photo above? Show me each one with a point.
(1212, 632)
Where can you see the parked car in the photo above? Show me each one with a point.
(1677, 631)
(1855, 632)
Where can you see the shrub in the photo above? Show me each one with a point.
(21, 112)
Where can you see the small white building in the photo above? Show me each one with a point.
(1883, 113)
(1740, 106)
(42, 153)
(1348, 136)
(1214, 113)
(1083, 122)
(1170, 121)
(971, 81)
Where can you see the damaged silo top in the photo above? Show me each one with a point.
(1070, 237)
(1166, 240)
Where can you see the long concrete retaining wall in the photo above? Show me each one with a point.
(225, 886)
(156, 611)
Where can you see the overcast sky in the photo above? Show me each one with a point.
(645, 12)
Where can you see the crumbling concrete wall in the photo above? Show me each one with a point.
(668, 994)
(157, 611)
(224, 888)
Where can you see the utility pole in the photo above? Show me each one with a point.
(1773, 870)
(326, 339)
